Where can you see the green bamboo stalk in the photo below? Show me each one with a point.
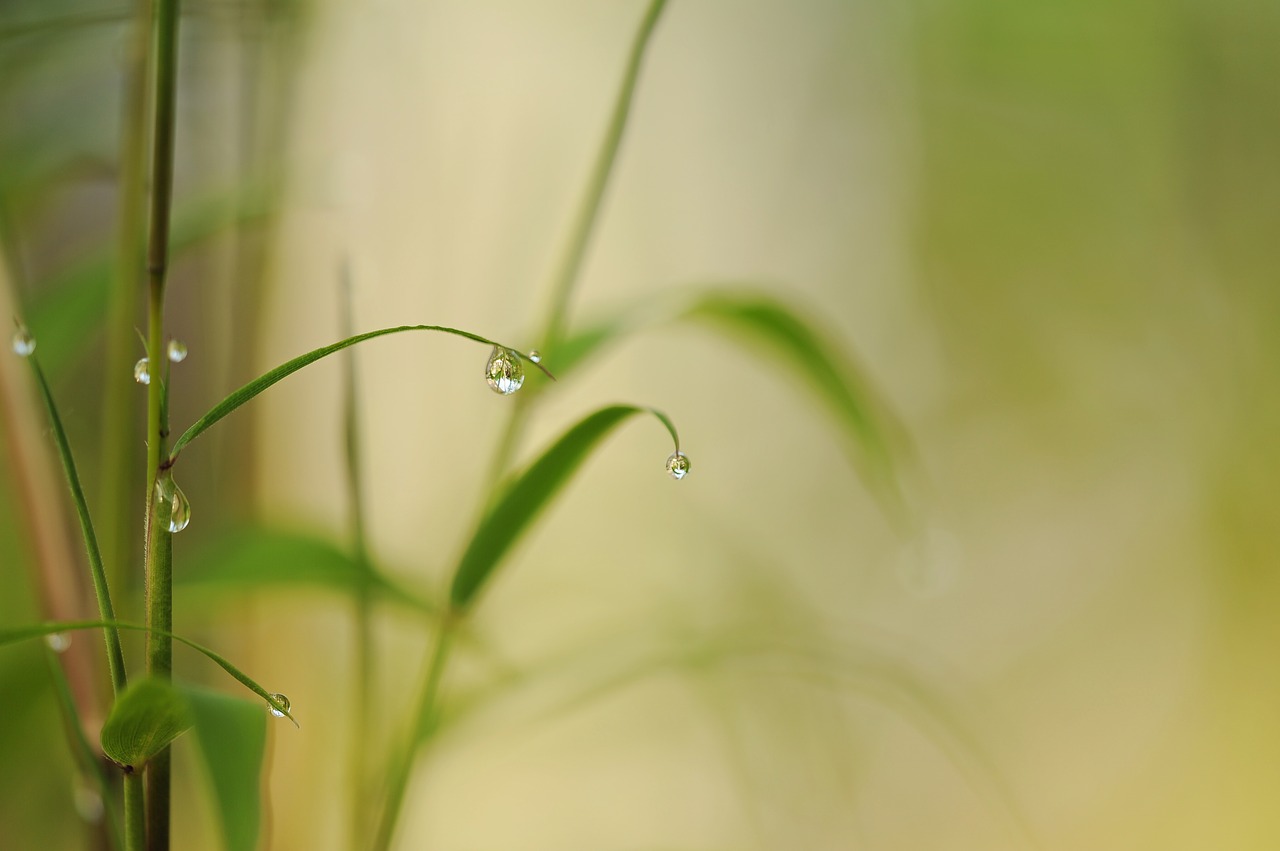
(159, 573)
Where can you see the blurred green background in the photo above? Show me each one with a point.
(1047, 231)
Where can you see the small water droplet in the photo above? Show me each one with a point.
(88, 802)
(23, 343)
(678, 465)
(280, 699)
(179, 508)
(177, 351)
(504, 371)
(535, 356)
(142, 372)
(58, 641)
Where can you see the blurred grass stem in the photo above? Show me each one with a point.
(566, 272)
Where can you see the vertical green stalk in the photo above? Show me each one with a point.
(159, 574)
(565, 274)
(361, 711)
(118, 419)
(419, 729)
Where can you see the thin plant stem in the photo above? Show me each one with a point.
(420, 726)
(565, 275)
(84, 753)
(361, 711)
(159, 573)
(563, 279)
(118, 418)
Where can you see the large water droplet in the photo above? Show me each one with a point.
(678, 465)
(177, 351)
(280, 699)
(142, 371)
(504, 371)
(535, 356)
(179, 508)
(58, 641)
(23, 343)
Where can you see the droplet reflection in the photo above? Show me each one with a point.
(678, 465)
(23, 343)
(504, 371)
(280, 699)
(142, 371)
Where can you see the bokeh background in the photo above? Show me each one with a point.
(1046, 232)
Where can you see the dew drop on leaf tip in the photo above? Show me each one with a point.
(504, 372)
(142, 371)
(535, 356)
(58, 641)
(23, 343)
(280, 699)
(177, 351)
(678, 465)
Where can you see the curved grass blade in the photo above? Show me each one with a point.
(255, 557)
(115, 656)
(232, 735)
(530, 492)
(262, 382)
(13, 635)
(145, 718)
(762, 323)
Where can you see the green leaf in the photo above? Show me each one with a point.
(97, 573)
(256, 557)
(25, 633)
(145, 718)
(232, 735)
(767, 327)
(262, 382)
(529, 493)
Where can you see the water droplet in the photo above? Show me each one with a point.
(142, 372)
(23, 343)
(535, 356)
(179, 508)
(504, 371)
(177, 351)
(678, 465)
(88, 802)
(58, 641)
(280, 699)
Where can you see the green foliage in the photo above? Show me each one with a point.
(232, 735)
(145, 718)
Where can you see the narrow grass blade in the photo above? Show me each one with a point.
(766, 326)
(530, 492)
(262, 382)
(232, 735)
(13, 635)
(144, 720)
(115, 656)
(254, 557)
